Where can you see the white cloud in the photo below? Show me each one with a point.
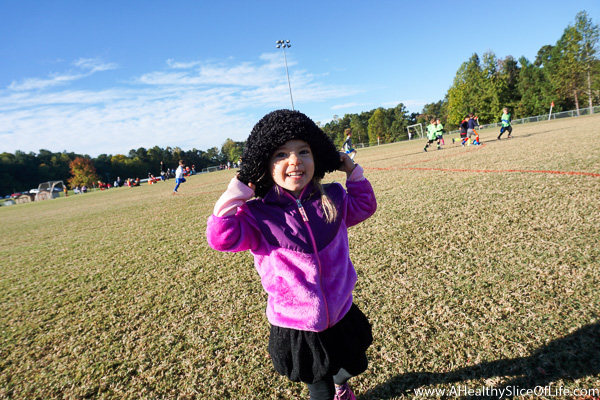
(204, 73)
(38, 83)
(197, 106)
(89, 65)
(94, 65)
(182, 65)
(347, 105)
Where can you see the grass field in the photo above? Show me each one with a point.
(480, 268)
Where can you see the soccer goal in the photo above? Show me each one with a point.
(414, 131)
(49, 190)
(211, 169)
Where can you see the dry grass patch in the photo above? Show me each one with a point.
(469, 278)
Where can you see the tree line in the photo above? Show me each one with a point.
(23, 171)
(566, 73)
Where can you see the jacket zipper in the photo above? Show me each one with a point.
(314, 244)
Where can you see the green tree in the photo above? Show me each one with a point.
(457, 98)
(475, 85)
(176, 154)
(565, 68)
(334, 130)
(140, 153)
(493, 88)
(433, 110)
(83, 172)
(359, 125)
(214, 156)
(118, 164)
(378, 127)
(231, 150)
(399, 123)
(465, 94)
(156, 155)
(509, 73)
(103, 167)
(535, 90)
(8, 174)
(588, 34)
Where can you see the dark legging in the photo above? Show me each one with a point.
(505, 128)
(325, 388)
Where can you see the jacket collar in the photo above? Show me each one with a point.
(278, 195)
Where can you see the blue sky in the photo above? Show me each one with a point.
(108, 76)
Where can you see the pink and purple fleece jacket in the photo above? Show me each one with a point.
(303, 261)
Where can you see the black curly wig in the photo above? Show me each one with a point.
(271, 132)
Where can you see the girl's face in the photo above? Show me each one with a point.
(292, 166)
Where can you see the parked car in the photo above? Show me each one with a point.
(36, 190)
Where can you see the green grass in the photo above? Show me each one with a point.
(476, 279)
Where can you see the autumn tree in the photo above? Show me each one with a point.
(83, 172)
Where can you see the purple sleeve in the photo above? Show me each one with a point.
(232, 227)
(360, 200)
(233, 233)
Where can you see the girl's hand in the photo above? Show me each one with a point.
(347, 164)
(250, 184)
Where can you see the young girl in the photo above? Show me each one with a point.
(439, 131)
(431, 135)
(463, 130)
(506, 119)
(347, 146)
(296, 229)
(179, 179)
(471, 124)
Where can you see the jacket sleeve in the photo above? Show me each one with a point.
(360, 199)
(232, 227)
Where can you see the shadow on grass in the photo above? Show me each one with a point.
(574, 356)
(519, 135)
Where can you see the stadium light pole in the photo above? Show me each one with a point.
(283, 44)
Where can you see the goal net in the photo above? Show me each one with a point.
(414, 131)
(211, 169)
(49, 190)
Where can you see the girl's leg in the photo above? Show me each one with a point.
(357, 368)
(342, 377)
(322, 390)
(342, 390)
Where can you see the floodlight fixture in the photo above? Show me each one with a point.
(283, 44)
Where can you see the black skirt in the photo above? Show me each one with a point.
(305, 356)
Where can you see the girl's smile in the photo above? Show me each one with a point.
(292, 166)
